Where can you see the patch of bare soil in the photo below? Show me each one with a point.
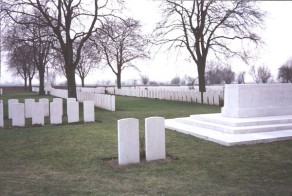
(113, 161)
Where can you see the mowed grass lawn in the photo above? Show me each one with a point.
(69, 159)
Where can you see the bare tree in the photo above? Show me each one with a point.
(90, 58)
(205, 26)
(264, 74)
(241, 78)
(261, 74)
(66, 19)
(145, 79)
(254, 74)
(285, 72)
(217, 73)
(21, 63)
(121, 42)
(175, 81)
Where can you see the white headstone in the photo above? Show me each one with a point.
(38, 114)
(1, 114)
(10, 102)
(60, 101)
(155, 138)
(18, 115)
(128, 141)
(45, 101)
(88, 111)
(73, 111)
(55, 113)
(28, 105)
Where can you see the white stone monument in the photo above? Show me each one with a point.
(155, 138)
(10, 102)
(18, 118)
(73, 111)
(252, 113)
(28, 107)
(55, 113)
(60, 102)
(88, 111)
(1, 114)
(38, 114)
(257, 100)
(128, 141)
(45, 101)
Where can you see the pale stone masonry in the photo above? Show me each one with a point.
(73, 111)
(28, 106)
(10, 102)
(155, 138)
(128, 141)
(18, 118)
(56, 112)
(38, 114)
(88, 111)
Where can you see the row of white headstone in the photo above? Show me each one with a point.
(100, 100)
(129, 143)
(39, 110)
(1, 91)
(211, 98)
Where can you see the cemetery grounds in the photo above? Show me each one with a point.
(79, 159)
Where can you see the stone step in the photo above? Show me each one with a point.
(235, 130)
(228, 139)
(240, 122)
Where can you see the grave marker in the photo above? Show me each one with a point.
(128, 141)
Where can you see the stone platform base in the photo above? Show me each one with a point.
(234, 131)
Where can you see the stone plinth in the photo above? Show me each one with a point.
(10, 102)
(257, 100)
(38, 114)
(88, 111)
(18, 115)
(155, 138)
(128, 141)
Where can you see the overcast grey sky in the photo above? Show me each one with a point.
(166, 65)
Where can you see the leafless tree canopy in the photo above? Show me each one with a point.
(261, 74)
(241, 78)
(285, 72)
(209, 26)
(66, 20)
(121, 42)
(217, 73)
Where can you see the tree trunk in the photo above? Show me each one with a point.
(202, 82)
(70, 74)
(29, 84)
(25, 83)
(82, 81)
(42, 81)
(119, 83)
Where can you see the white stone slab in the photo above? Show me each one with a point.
(73, 111)
(257, 100)
(60, 102)
(10, 102)
(128, 141)
(38, 114)
(45, 101)
(1, 114)
(88, 111)
(55, 113)
(228, 139)
(28, 106)
(155, 138)
(18, 115)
